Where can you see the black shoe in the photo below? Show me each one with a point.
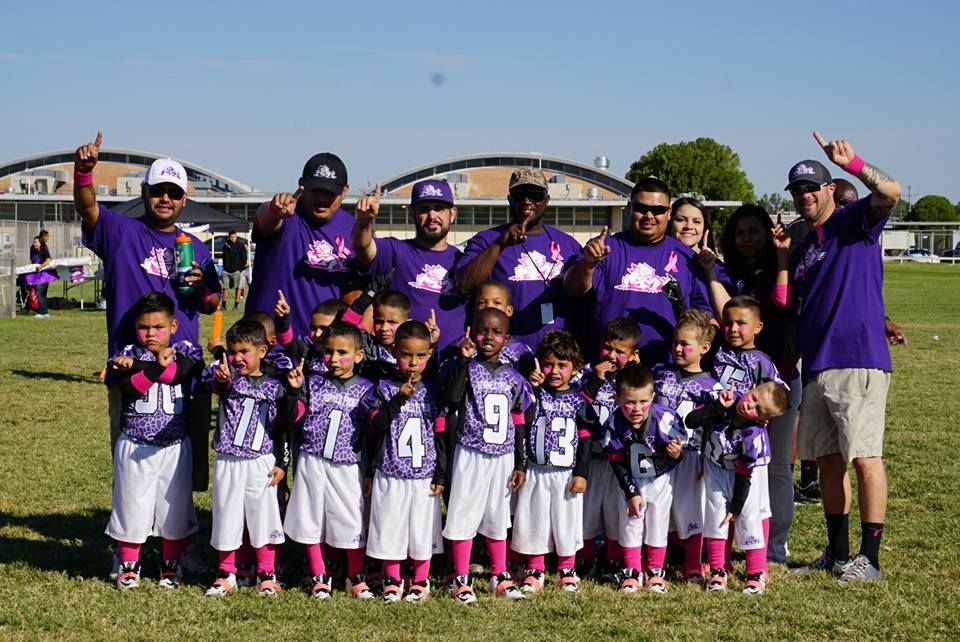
(809, 494)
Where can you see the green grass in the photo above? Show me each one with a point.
(55, 503)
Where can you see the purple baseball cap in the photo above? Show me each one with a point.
(431, 190)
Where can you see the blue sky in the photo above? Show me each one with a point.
(253, 89)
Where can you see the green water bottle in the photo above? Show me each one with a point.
(184, 255)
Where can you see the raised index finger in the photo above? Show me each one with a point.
(298, 193)
(820, 140)
(98, 140)
(376, 192)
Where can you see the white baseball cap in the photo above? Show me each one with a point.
(166, 170)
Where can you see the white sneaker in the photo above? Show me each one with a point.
(503, 585)
(392, 590)
(861, 569)
(225, 583)
(825, 562)
(128, 576)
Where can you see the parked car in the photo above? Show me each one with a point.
(954, 252)
(919, 255)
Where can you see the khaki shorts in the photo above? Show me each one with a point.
(843, 411)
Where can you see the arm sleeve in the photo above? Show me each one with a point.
(387, 413)
(456, 387)
(581, 467)
(741, 488)
(284, 331)
(137, 383)
(622, 473)
(519, 445)
(706, 415)
(440, 445)
(591, 388)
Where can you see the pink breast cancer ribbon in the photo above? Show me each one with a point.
(671, 263)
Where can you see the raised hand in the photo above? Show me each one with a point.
(122, 364)
(779, 236)
(295, 376)
(166, 356)
(368, 207)
(281, 308)
(603, 368)
(467, 347)
(707, 259)
(85, 158)
(726, 398)
(513, 235)
(597, 249)
(704, 240)
(432, 326)
(407, 389)
(838, 151)
(536, 376)
(222, 373)
(284, 205)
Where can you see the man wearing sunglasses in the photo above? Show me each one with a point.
(526, 255)
(628, 272)
(838, 278)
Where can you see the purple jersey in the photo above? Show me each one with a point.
(158, 418)
(641, 449)
(559, 422)
(408, 449)
(747, 445)
(278, 359)
(138, 259)
(534, 272)
(310, 261)
(494, 392)
(426, 277)
(741, 369)
(337, 414)
(513, 352)
(838, 276)
(683, 391)
(629, 282)
(247, 414)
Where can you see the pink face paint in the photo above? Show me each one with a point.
(498, 339)
(402, 364)
(621, 358)
(479, 338)
(687, 349)
(646, 406)
(628, 407)
(142, 335)
(327, 358)
(345, 360)
(604, 353)
(547, 369)
(162, 333)
(563, 370)
(742, 327)
(752, 413)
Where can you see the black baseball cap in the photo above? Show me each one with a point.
(324, 171)
(808, 171)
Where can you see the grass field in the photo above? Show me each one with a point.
(56, 501)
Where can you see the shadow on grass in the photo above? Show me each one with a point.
(56, 376)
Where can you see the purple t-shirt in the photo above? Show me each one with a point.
(682, 392)
(158, 418)
(838, 277)
(247, 414)
(629, 282)
(534, 273)
(138, 259)
(560, 419)
(408, 450)
(337, 414)
(494, 393)
(426, 277)
(742, 369)
(747, 445)
(641, 448)
(310, 261)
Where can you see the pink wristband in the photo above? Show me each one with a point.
(854, 166)
(81, 179)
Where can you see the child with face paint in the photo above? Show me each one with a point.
(308, 348)
(618, 348)
(494, 294)
(489, 461)
(738, 364)
(549, 511)
(682, 387)
(251, 454)
(152, 460)
(736, 452)
(327, 500)
(643, 442)
(410, 461)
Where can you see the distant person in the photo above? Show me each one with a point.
(236, 260)
(41, 277)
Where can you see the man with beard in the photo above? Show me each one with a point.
(526, 255)
(302, 243)
(422, 266)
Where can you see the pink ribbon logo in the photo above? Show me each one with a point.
(342, 251)
(671, 263)
(554, 251)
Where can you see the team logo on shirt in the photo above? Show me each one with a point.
(534, 266)
(640, 277)
(811, 257)
(322, 255)
(159, 262)
(433, 278)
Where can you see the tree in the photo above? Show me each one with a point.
(774, 202)
(702, 166)
(932, 208)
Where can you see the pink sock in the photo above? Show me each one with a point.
(766, 531)
(716, 552)
(537, 562)
(460, 552)
(173, 548)
(497, 551)
(228, 561)
(246, 556)
(633, 557)
(756, 560)
(421, 571)
(566, 562)
(128, 552)
(267, 558)
(656, 556)
(355, 558)
(589, 550)
(692, 553)
(512, 555)
(728, 554)
(315, 559)
(614, 551)
(391, 568)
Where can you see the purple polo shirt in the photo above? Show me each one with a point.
(534, 273)
(306, 259)
(629, 282)
(138, 259)
(426, 277)
(838, 276)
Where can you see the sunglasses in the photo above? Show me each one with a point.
(656, 210)
(175, 192)
(534, 194)
(805, 188)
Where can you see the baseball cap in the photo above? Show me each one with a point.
(166, 170)
(324, 171)
(431, 190)
(527, 176)
(808, 171)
